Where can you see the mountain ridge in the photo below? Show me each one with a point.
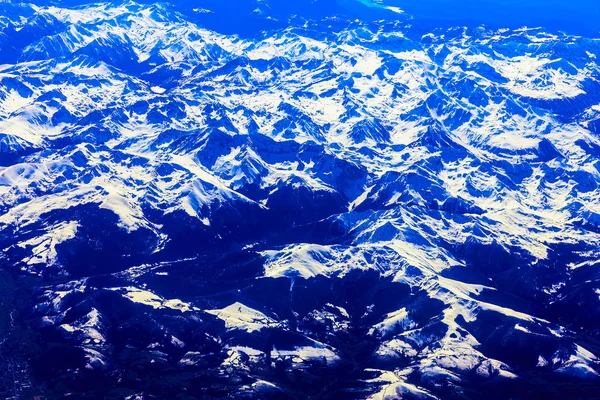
(359, 208)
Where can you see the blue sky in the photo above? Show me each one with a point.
(577, 16)
(572, 16)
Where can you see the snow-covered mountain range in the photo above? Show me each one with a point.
(345, 203)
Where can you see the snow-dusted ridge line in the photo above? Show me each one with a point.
(285, 199)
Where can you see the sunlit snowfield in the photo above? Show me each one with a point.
(324, 200)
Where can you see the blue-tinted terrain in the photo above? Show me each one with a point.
(317, 199)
